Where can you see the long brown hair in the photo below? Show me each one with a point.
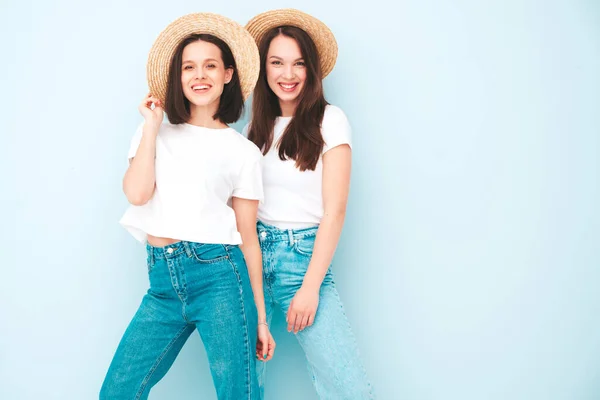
(302, 140)
(231, 103)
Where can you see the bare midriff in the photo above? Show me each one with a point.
(161, 241)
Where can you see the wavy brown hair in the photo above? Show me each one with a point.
(302, 140)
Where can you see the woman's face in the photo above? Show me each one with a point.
(203, 74)
(285, 69)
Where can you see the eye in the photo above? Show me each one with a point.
(211, 66)
(301, 63)
(276, 62)
(188, 67)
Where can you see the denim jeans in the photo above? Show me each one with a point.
(192, 286)
(331, 352)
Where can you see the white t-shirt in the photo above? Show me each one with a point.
(198, 170)
(293, 199)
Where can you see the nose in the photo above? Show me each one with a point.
(288, 72)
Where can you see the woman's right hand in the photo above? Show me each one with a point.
(152, 116)
(265, 344)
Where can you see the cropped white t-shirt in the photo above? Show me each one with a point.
(293, 199)
(198, 170)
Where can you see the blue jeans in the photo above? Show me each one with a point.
(192, 286)
(331, 352)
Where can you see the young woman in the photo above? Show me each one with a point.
(194, 185)
(306, 175)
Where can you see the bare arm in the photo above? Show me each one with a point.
(337, 164)
(245, 215)
(140, 180)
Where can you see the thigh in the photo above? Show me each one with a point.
(146, 351)
(228, 327)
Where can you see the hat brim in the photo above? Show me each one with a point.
(238, 39)
(317, 30)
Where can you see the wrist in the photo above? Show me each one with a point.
(262, 317)
(311, 285)
(151, 128)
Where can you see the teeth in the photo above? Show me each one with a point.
(288, 86)
(200, 87)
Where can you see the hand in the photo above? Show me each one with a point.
(153, 116)
(265, 345)
(303, 309)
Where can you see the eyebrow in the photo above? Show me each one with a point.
(279, 58)
(206, 60)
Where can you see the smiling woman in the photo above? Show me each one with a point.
(194, 185)
(203, 72)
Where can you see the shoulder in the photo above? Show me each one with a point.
(334, 122)
(243, 146)
(334, 115)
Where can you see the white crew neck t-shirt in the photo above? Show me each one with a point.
(198, 170)
(294, 199)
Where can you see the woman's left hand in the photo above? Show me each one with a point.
(265, 345)
(303, 309)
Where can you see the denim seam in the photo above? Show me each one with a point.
(213, 261)
(157, 363)
(297, 250)
(247, 334)
(362, 367)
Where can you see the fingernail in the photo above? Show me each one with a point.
(265, 356)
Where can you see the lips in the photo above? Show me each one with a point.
(288, 87)
(201, 88)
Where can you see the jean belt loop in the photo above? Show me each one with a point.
(152, 256)
(291, 236)
(188, 250)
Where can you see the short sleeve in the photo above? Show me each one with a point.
(135, 142)
(335, 128)
(249, 184)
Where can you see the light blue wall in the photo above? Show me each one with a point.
(469, 264)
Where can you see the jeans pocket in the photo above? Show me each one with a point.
(209, 253)
(305, 246)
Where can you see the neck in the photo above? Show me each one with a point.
(288, 108)
(203, 116)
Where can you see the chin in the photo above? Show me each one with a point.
(202, 102)
(288, 97)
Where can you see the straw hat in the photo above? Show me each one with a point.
(317, 30)
(240, 42)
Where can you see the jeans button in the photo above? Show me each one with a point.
(263, 234)
(169, 250)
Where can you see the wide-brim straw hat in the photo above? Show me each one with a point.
(317, 30)
(241, 43)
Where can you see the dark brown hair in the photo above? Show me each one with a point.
(231, 103)
(302, 140)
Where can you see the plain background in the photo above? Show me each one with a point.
(469, 263)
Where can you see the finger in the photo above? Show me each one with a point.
(289, 311)
(270, 354)
(311, 319)
(298, 322)
(265, 348)
(259, 351)
(272, 346)
(290, 318)
(270, 349)
(154, 100)
(304, 322)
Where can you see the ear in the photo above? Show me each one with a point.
(228, 75)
